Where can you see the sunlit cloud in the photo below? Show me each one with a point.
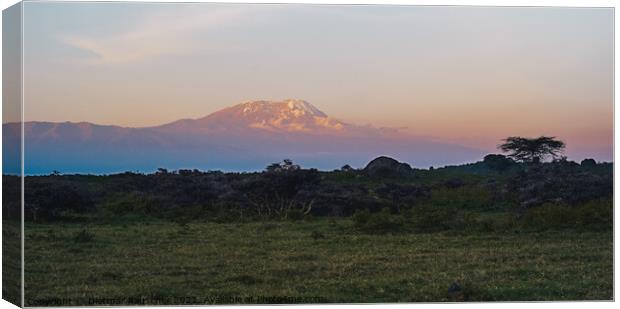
(159, 33)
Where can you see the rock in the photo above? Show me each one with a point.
(385, 166)
(588, 163)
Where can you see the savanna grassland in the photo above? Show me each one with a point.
(318, 260)
(495, 230)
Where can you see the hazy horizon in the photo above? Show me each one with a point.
(463, 74)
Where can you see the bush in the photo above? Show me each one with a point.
(464, 220)
(132, 202)
(50, 200)
(594, 214)
(561, 183)
(549, 216)
(83, 236)
(481, 222)
(317, 235)
(295, 214)
(431, 219)
(400, 196)
(361, 218)
(378, 223)
(464, 197)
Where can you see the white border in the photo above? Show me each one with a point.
(563, 3)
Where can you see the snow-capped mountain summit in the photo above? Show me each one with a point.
(294, 107)
(289, 115)
(244, 137)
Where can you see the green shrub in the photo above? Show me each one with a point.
(295, 214)
(549, 215)
(594, 214)
(361, 218)
(131, 202)
(182, 221)
(426, 218)
(466, 197)
(83, 236)
(463, 220)
(222, 213)
(223, 217)
(496, 224)
(317, 235)
(378, 223)
(268, 226)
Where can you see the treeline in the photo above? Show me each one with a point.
(383, 196)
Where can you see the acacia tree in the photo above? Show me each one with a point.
(532, 150)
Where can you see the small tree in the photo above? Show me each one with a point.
(532, 150)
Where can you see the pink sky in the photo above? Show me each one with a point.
(470, 75)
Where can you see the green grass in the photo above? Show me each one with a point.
(162, 262)
(11, 261)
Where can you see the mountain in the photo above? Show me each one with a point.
(245, 137)
(268, 116)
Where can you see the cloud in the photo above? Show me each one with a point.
(165, 32)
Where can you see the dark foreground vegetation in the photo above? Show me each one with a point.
(498, 229)
(547, 195)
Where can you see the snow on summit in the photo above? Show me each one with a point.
(295, 107)
(300, 108)
(288, 115)
(264, 116)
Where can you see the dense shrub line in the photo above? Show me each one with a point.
(556, 194)
(596, 215)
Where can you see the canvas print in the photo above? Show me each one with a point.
(219, 153)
